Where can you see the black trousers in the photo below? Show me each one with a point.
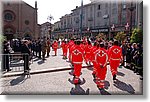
(26, 62)
(5, 63)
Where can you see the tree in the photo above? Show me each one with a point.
(121, 36)
(101, 36)
(137, 36)
(2, 38)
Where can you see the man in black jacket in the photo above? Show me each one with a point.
(6, 56)
(26, 53)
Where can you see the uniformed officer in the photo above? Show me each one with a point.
(55, 47)
(87, 55)
(115, 57)
(101, 59)
(77, 60)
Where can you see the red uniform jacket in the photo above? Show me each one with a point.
(87, 52)
(77, 55)
(65, 48)
(93, 51)
(101, 57)
(115, 53)
(55, 46)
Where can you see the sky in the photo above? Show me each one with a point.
(56, 8)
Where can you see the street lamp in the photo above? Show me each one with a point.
(81, 16)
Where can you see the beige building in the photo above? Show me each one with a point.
(20, 20)
(45, 29)
(101, 17)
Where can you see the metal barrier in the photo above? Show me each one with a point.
(16, 62)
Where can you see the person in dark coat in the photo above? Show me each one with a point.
(128, 56)
(5, 60)
(39, 47)
(26, 53)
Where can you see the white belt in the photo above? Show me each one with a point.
(114, 59)
(77, 62)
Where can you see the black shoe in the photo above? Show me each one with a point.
(114, 77)
(8, 70)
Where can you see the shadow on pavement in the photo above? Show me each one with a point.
(90, 68)
(120, 74)
(104, 92)
(81, 81)
(78, 90)
(124, 87)
(34, 60)
(18, 80)
(41, 62)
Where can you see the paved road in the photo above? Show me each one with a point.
(60, 82)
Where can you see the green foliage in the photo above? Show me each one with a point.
(2, 38)
(121, 36)
(101, 36)
(137, 36)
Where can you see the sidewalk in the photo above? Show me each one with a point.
(51, 64)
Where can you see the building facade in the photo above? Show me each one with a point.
(20, 20)
(45, 30)
(100, 17)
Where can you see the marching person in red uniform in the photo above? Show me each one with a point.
(93, 51)
(70, 46)
(115, 57)
(87, 55)
(77, 60)
(101, 59)
(65, 49)
(62, 46)
(55, 47)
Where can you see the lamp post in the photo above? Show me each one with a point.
(50, 18)
(81, 16)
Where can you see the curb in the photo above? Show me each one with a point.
(41, 71)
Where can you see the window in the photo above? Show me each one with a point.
(114, 11)
(123, 18)
(91, 9)
(9, 16)
(98, 14)
(26, 22)
(99, 7)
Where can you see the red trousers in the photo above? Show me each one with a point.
(77, 69)
(114, 64)
(94, 67)
(65, 52)
(101, 73)
(87, 57)
(55, 50)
